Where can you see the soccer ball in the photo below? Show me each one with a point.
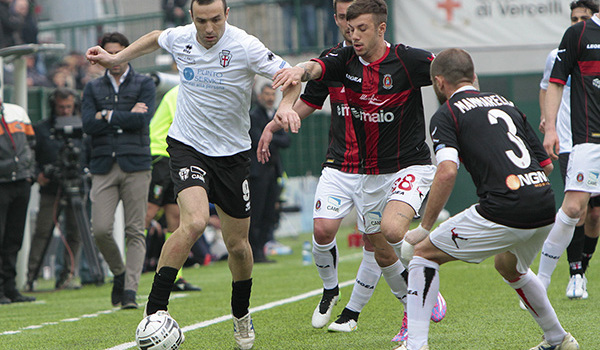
(159, 331)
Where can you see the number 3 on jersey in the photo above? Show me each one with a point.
(522, 162)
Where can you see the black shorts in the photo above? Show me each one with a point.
(225, 179)
(563, 161)
(161, 186)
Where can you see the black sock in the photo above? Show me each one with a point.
(332, 291)
(351, 314)
(574, 251)
(589, 247)
(240, 297)
(161, 289)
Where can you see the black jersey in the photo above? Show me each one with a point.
(384, 98)
(342, 152)
(502, 153)
(579, 56)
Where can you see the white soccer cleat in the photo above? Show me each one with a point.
(402, 346)
(243, 332)
(568, 343)
(585, 292)
(576, 287)
(346, 326)
(322, 313)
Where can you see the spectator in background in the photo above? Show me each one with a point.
(175, 13)
(34, 77)
(264, 187)
(26, 9)
(17, 166)
(117, 109)
(11, 24)
(63, 103)
(306, 25)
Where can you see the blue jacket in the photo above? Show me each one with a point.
(125, 138)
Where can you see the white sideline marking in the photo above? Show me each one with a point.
(254, 309)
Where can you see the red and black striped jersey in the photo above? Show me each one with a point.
(342, 151)
(385, 105)
(579, 56)
(500, 150)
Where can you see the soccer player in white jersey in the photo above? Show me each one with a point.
(209, 142)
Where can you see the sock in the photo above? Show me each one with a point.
(574, 252)
(240, 297)
(589, 247)
(367, 277)
(351, 314)
(533, 293)
(161, 289)
(424, 284)
(397, 247)
(395, 276)
(558, 239)
(326, 259)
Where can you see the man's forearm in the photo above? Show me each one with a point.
(312, 70)
(553, 99)
(442, 186)
(142, 46)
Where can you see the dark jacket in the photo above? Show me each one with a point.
(258, 120)
(17, 141)
(125, 138)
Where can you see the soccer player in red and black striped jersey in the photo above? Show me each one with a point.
(509, 167)
(382, 84)
(578, 57)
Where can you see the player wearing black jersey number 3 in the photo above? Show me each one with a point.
(509, 167)
(382, 85)
(209, 144)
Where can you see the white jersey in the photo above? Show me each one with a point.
(213, 103)
(563, 119)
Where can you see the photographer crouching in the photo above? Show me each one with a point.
(59, 158)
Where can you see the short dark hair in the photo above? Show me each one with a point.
(114, 37)
(455, 65)
(207, 2)
(266, 85)
(377, 8)
(592, 5)
(335, 2)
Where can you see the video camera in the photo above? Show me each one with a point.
(67, 168)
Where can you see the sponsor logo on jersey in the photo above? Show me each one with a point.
(579, 177)
(283, 63)
(534, 178)
(373, 100)
(353, 78)
(377, 117)
(188, 73)
(187, 48)
(318, 205)
(596, 83)
(373, 217)
(343, 110)
(468, 103)
(225, 58)
(197, 173)
(184, 173)
(593, 46)
(185, 59)
(593, 178)
(388, 83)
(333, 204)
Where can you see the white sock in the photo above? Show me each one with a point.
(367, 277)
(397, 247)
(326, 259)
(394, 276)
(558, 239)
(532, 292)
(424, 286)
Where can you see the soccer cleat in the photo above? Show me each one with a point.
(568, 343)
(322, 312)
(522, 305)
(575, 287)
(402, 346)
(182, 285)
(243, 332)
(346, 322)
(439, 309)
(585, 292)
(403, 334)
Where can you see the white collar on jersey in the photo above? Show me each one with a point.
(464, 88)
(368, 63)
(596, 18)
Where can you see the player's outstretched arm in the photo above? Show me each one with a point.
(293, 76)
(144, 45)
(440, 191)
(552, 104)
(285, 116)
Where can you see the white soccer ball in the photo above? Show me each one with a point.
(159, 331)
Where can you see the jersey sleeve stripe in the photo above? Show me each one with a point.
(558, 81)
(545, 162)
(322, 68)
(312, 105)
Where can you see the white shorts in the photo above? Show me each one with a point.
(583, 170)
(409, 185)
(469, 237)
(337, 193)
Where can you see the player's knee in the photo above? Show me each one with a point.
(195, 227)
(323, 235)
(593, 214)
(237, 248)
